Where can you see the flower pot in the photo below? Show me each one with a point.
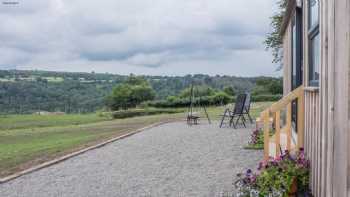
(293, 190)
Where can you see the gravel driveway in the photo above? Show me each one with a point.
(169, 160)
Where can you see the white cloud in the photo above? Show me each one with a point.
(164, 37)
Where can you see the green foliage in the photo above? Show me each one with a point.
(134, 80)
(68, 96)
(197, 91)
(230, 91)
(276, 176)
(173, 102)
(202, 94)
(280, 177)
(276, 87)
(274, 40)
(32, 139)
(129, 94)
(25, 92)
(267, 86)
(265, 98)
(218, 98)
(273, 178)
(257, 140)
(171, 99)
(260, 90)
(9, 122)
(165, 86)
(143, 112)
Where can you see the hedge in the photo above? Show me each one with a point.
(171, 102)
(142, 112)
(207, 101)
(264, 98)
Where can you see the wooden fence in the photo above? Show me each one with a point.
(275, 112)
(309, 133)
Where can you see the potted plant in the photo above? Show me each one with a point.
(283, 176)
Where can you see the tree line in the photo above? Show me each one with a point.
(137, 91)
(88, 92)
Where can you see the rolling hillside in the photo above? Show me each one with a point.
(30, 91)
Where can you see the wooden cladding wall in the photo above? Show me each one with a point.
(287, 61)
(327, 110)
(334, 91)
(313, 140)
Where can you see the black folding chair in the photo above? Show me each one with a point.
(237, 113)
(247, 107)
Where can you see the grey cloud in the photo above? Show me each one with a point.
(132, 33)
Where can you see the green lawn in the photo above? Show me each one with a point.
(21, 148)
(10, 122)
(26, 140)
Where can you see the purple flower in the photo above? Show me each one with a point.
(249, 171)
(253, 179)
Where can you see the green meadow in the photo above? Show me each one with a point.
(27, 140)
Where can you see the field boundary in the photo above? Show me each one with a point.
(68, 156)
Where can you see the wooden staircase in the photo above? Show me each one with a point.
(284, 138)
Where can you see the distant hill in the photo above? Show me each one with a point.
(30, 91)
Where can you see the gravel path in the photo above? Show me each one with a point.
(170, 160)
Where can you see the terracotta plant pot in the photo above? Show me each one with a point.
(293, 190)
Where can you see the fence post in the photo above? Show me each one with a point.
(278, 131)
(300, 120)
(289, 126)
(266, 134)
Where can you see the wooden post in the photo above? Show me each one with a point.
(273, 120)
(266, 135)
(289, 126)
(300, 120)
(278, 132)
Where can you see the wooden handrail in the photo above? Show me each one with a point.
(275, 111)
(287, 99)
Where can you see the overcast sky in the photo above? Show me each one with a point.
(153, 37)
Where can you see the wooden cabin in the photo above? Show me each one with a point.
(314, 112)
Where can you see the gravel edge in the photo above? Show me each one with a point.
(68, 156)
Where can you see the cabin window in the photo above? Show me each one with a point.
(297, 58)
(314, 12)
(314, 43)
(297, 49)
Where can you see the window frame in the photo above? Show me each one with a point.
(297, 58)
(313, 32)
(297, 21)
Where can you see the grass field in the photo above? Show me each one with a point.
(26, 140)
(10, 122)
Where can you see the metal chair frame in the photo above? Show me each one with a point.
(237, 113)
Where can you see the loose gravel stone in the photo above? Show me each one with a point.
(169, 160)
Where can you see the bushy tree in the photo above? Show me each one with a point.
(220, 98)
(273, 40)
(132, 92)
(276, 86)
(134, 80)
(198, 91)
(268, 86)
(229, 90)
